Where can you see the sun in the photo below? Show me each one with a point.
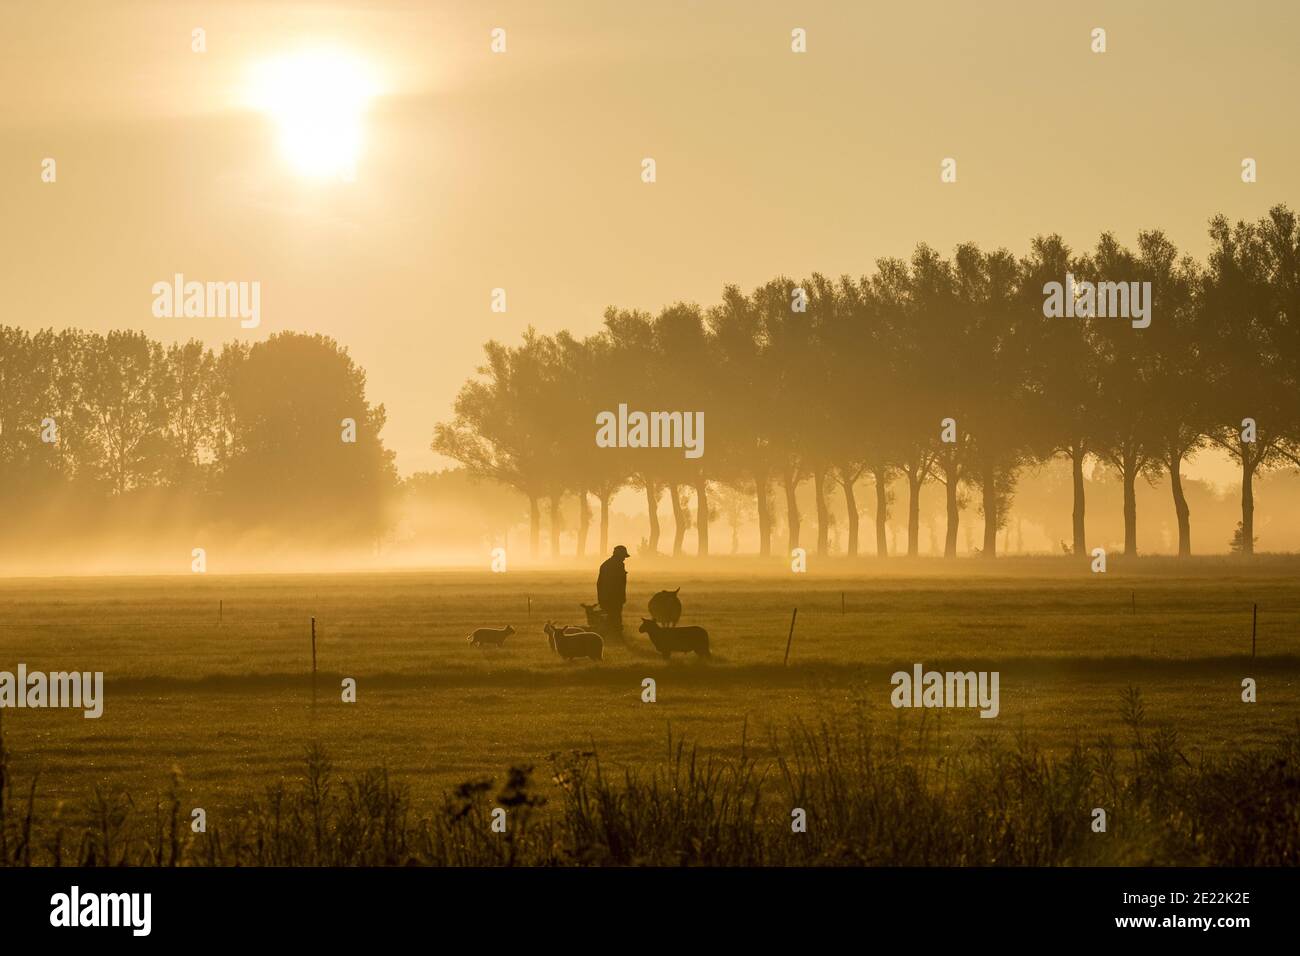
(318, 98)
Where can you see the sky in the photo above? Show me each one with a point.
(521, 170)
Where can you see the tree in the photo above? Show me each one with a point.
(683, 359)
(1065, 374)
(833, 366)
(852, 341)
(746, 401)
(1181, 413)
(24, 393)
(930, 389)
(189, 380)
(1130, 438)
(1253, 406)
(999, 392)
(125, 392)
(788, 377)
(592, 384)
(292, 466)
(501, 425)
(1280, 235)
(638, 368)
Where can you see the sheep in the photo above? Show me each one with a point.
(670, 640)
(595, 616)
(494, 636)
(550, 628)
(666, 608)
(570, 643)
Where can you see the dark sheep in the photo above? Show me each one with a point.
(491, 636)
(666, 608)
(570, 643)
(676, 640)
(595, 616)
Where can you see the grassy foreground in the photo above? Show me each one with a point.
(860, 799)
(213, 709)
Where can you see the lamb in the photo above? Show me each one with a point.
(493, 636)
(595, 616)
(670, 640)
(569, 642)
(666, 608)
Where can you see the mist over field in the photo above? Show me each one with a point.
(69, 536)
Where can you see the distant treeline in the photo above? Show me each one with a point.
(818, 386)
(116, 434)
(829, 381)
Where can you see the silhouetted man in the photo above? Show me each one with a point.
(611, 591)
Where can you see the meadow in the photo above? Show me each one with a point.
(209, 677)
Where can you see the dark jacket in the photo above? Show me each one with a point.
(611, 585)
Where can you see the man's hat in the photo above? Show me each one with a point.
(620, 552)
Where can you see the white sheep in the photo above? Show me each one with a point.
(570, 642)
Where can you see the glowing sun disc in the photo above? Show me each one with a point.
(318, 99)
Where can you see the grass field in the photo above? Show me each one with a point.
(228, 702)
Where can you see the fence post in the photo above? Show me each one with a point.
(313, 662)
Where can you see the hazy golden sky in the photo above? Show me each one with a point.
(522, 170)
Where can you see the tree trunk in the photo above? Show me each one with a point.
(555, 526)
(1247, 504)
(534, 526)
(1180, 507)
(850, 505)
(1076, 467)
(604, 523)
(990, 490)
(790, 480)
(1130, 507)
(954, 517)
(823, 513)
(702, 517)
(764, 514)
(681, 518)
(652, 509)
(584, 522)
(882, 513)
(914, 481)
